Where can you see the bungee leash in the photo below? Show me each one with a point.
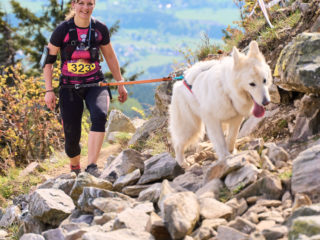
(108, 84)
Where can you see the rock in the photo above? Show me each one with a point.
(106, 217)
(220, 169)
(304, 211)
(298, 65)
(163, 98)
(119, 122)
(274, 94)
(301, 200)
(229, 233)
(31, 236)
(269, 186)
(108, 205)
(160, 167)
(181, 211)
(148, 128)
(32, 224)
(134, 191)
(308, 119)
(3, 234)
(276, 154)
(30, 169)
(308, 226)
(272, 215)
(146, 207)
(239, 206)
(256, 236)
(192, 180)
(156, 227)
(316, 26)
(10, 216)
(275, 232)
(126, 162)
(242, 225)
(265, 224)
(78, 233)
(214, 186)
(85, 202)
(242, 177)
(211, 208)
(53, 234)
(87, 180)
(64, 185)
(132, 219)
(267, 163)
(127, 234)
(305, 169)
(208, 228)
(152, 193)
(129, 179)
(50, 206)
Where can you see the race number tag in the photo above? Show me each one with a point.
(81, 67)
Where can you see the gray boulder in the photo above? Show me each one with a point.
(298, 66)
(305, 173)
(50, 206)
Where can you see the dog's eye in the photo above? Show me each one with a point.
(252, 84)
(264, 81)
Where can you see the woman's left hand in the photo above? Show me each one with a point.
(123, 94)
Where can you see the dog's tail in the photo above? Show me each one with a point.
(191, 73)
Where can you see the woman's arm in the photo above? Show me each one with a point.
(50, 97)
(113, 64)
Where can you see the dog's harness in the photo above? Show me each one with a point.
(187, 85)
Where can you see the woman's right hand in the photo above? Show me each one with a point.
(50, 100)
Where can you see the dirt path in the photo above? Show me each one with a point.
(113, 149)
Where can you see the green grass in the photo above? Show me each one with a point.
(12, 185)
(281, 26)
(285, 175)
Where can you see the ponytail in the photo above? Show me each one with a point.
(71, 12)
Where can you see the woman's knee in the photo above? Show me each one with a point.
(98, 124)
(72, 149)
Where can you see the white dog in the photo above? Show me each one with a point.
(218, 92)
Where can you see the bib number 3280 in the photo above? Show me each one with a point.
(81, 68)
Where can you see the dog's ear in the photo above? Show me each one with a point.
(254, 49)
(236, 55)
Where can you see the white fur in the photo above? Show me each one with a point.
(221, 94)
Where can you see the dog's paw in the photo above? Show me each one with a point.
(184, 164)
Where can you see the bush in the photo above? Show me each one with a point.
(28, 130)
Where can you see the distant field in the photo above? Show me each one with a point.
(225, 16)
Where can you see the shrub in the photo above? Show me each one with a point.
(28, 131)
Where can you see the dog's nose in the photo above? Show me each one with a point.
(265, 101)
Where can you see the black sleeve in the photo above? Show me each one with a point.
(58, 35)
(103, 29)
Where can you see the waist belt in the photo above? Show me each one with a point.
(97, 75)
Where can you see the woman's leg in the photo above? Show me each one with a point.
(95, 141)
(97, 101)
(71, 108)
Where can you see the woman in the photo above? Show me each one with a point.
(79, 39)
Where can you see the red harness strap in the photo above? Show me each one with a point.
(187, 85)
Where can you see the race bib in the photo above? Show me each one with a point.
(81, 67)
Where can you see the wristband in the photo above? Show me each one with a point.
(50, 90)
